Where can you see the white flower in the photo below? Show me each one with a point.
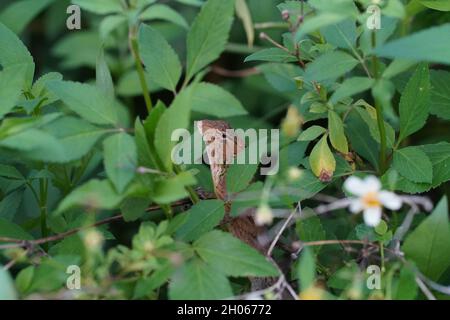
(370, 198)
(263, 215)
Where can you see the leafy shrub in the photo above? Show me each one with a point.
(88, 187)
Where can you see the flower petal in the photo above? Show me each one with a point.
(354, 185)
(372, 216)
(390, 200)
(371, 184)
(356, 205)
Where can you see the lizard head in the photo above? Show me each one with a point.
(218, 135)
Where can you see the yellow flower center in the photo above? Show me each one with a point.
(370, 200)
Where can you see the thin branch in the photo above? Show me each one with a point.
(339, 204)
(424, 289)
(283, 227)
(17, 243)
(235, 73)
(265, 36)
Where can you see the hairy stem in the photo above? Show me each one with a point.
(43, 187)
(383, 269)
(140, 69)
(192, 194)
(379, 108)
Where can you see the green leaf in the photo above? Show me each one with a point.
(12, 230)
(306, 186)
(342, 35)
(100, 6)
(11, 83)
(441, 5)
(51, 274)
(318, 21)
(175, 117)
(322, 160)
(396, 67)
(10, 172)
(201, 218)
(350, 87)
(120, 159)
(74, 59)
(426, 45)
(160, 60)
(439, 155)
(406, 287)
(208, 35)
(146, 286)
(369, 116)
(389, 26)
(20, 13)
(311, 133)
(415, 103)
(109, 24)
(281, 75)
(163, 12)
(173, 188)
(306, 269)
(395, 181)
(338, 6)
(14, 53)
(229, 255)
(243, 12)
(7, 289)
(76, 136)
(212, 100)
(133, 208)
(361, 140)
(86, 100)
(330, 65)
(310, 229)
(129, 84)
(429, 244)
(337, 135)
(197, 280)
(35, 144)
(145, 156)
(440, 94)
(239, 176)
(103, 77)
(413, 164)
(271, 55)
(94, 194)
(39, 88)
(24, 279)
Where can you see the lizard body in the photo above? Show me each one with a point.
(221, 146)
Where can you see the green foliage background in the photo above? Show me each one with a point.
(85, 172)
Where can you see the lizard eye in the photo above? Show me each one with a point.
(224, 135)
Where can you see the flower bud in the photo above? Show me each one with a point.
(291, 124)
(294, 174)
(93, 239)
(263, 215)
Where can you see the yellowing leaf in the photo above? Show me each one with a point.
(322, 160)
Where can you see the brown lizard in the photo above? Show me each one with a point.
(221, 146)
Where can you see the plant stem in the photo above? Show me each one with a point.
(43, 187)
(192, 194)
(140, 70)
(383, 269)
(379, 108)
